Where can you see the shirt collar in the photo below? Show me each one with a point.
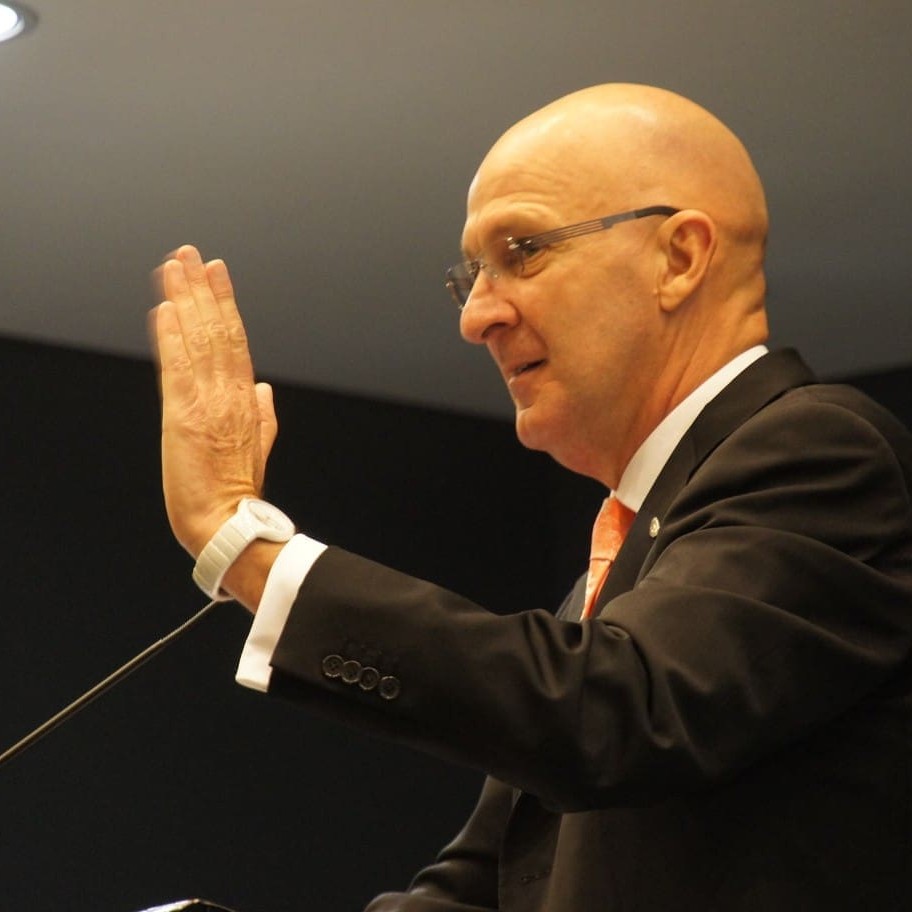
(655, 450)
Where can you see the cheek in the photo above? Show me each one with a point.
(592, 319)
(592, 353)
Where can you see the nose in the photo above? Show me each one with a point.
(487, 310)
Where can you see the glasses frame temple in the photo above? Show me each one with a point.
(590, 227)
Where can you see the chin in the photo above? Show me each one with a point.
(533, 431)
(547, 433)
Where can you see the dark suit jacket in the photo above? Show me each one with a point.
(734, 731)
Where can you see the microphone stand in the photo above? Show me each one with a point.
(102, 686)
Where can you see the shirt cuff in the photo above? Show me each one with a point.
(282, 585)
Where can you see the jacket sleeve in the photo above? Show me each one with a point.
(776, 597)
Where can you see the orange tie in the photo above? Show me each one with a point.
(611, 526)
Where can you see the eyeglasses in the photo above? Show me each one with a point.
(509, 256)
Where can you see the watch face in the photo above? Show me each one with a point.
(270, 516)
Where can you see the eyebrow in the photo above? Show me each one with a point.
(501, 230)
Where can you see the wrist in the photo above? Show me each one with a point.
(194, 532)
(246, 578)
(205, 529)
(253, 520)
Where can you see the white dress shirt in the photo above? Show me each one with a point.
(299, 555)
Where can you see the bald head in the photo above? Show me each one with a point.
(619, 329)
(630, 143)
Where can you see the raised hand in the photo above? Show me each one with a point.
(218, 425)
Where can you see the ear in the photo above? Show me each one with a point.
(687, 243)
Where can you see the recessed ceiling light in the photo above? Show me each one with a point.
(15, 20)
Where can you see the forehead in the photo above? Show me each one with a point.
(519, 196)
(561, 163)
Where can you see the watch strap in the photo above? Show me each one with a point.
(214, 561)
(232, 537)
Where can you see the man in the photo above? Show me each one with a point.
(725, 721)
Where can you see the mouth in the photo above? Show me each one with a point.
(525, 368)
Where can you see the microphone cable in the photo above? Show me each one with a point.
(106, 684)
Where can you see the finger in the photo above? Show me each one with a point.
(223, 291)
(152, 331)
(208, 307)
(157, 281)
(269, 425)
(196, 339)
(157, 278)
(198, 282)
(177, 383)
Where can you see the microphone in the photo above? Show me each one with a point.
(96, 691)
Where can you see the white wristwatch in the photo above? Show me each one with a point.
(254, 519)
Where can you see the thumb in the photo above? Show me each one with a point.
(269, 425)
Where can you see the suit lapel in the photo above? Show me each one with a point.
(761, 383)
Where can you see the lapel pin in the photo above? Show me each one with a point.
(654, 526)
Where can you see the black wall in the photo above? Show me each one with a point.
(179, 782)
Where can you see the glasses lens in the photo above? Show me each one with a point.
(460, 279)
(508, 257)
(502, 258)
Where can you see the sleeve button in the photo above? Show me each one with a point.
(351, 671)
(389, 687)
(369, 678)
(332, 666)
